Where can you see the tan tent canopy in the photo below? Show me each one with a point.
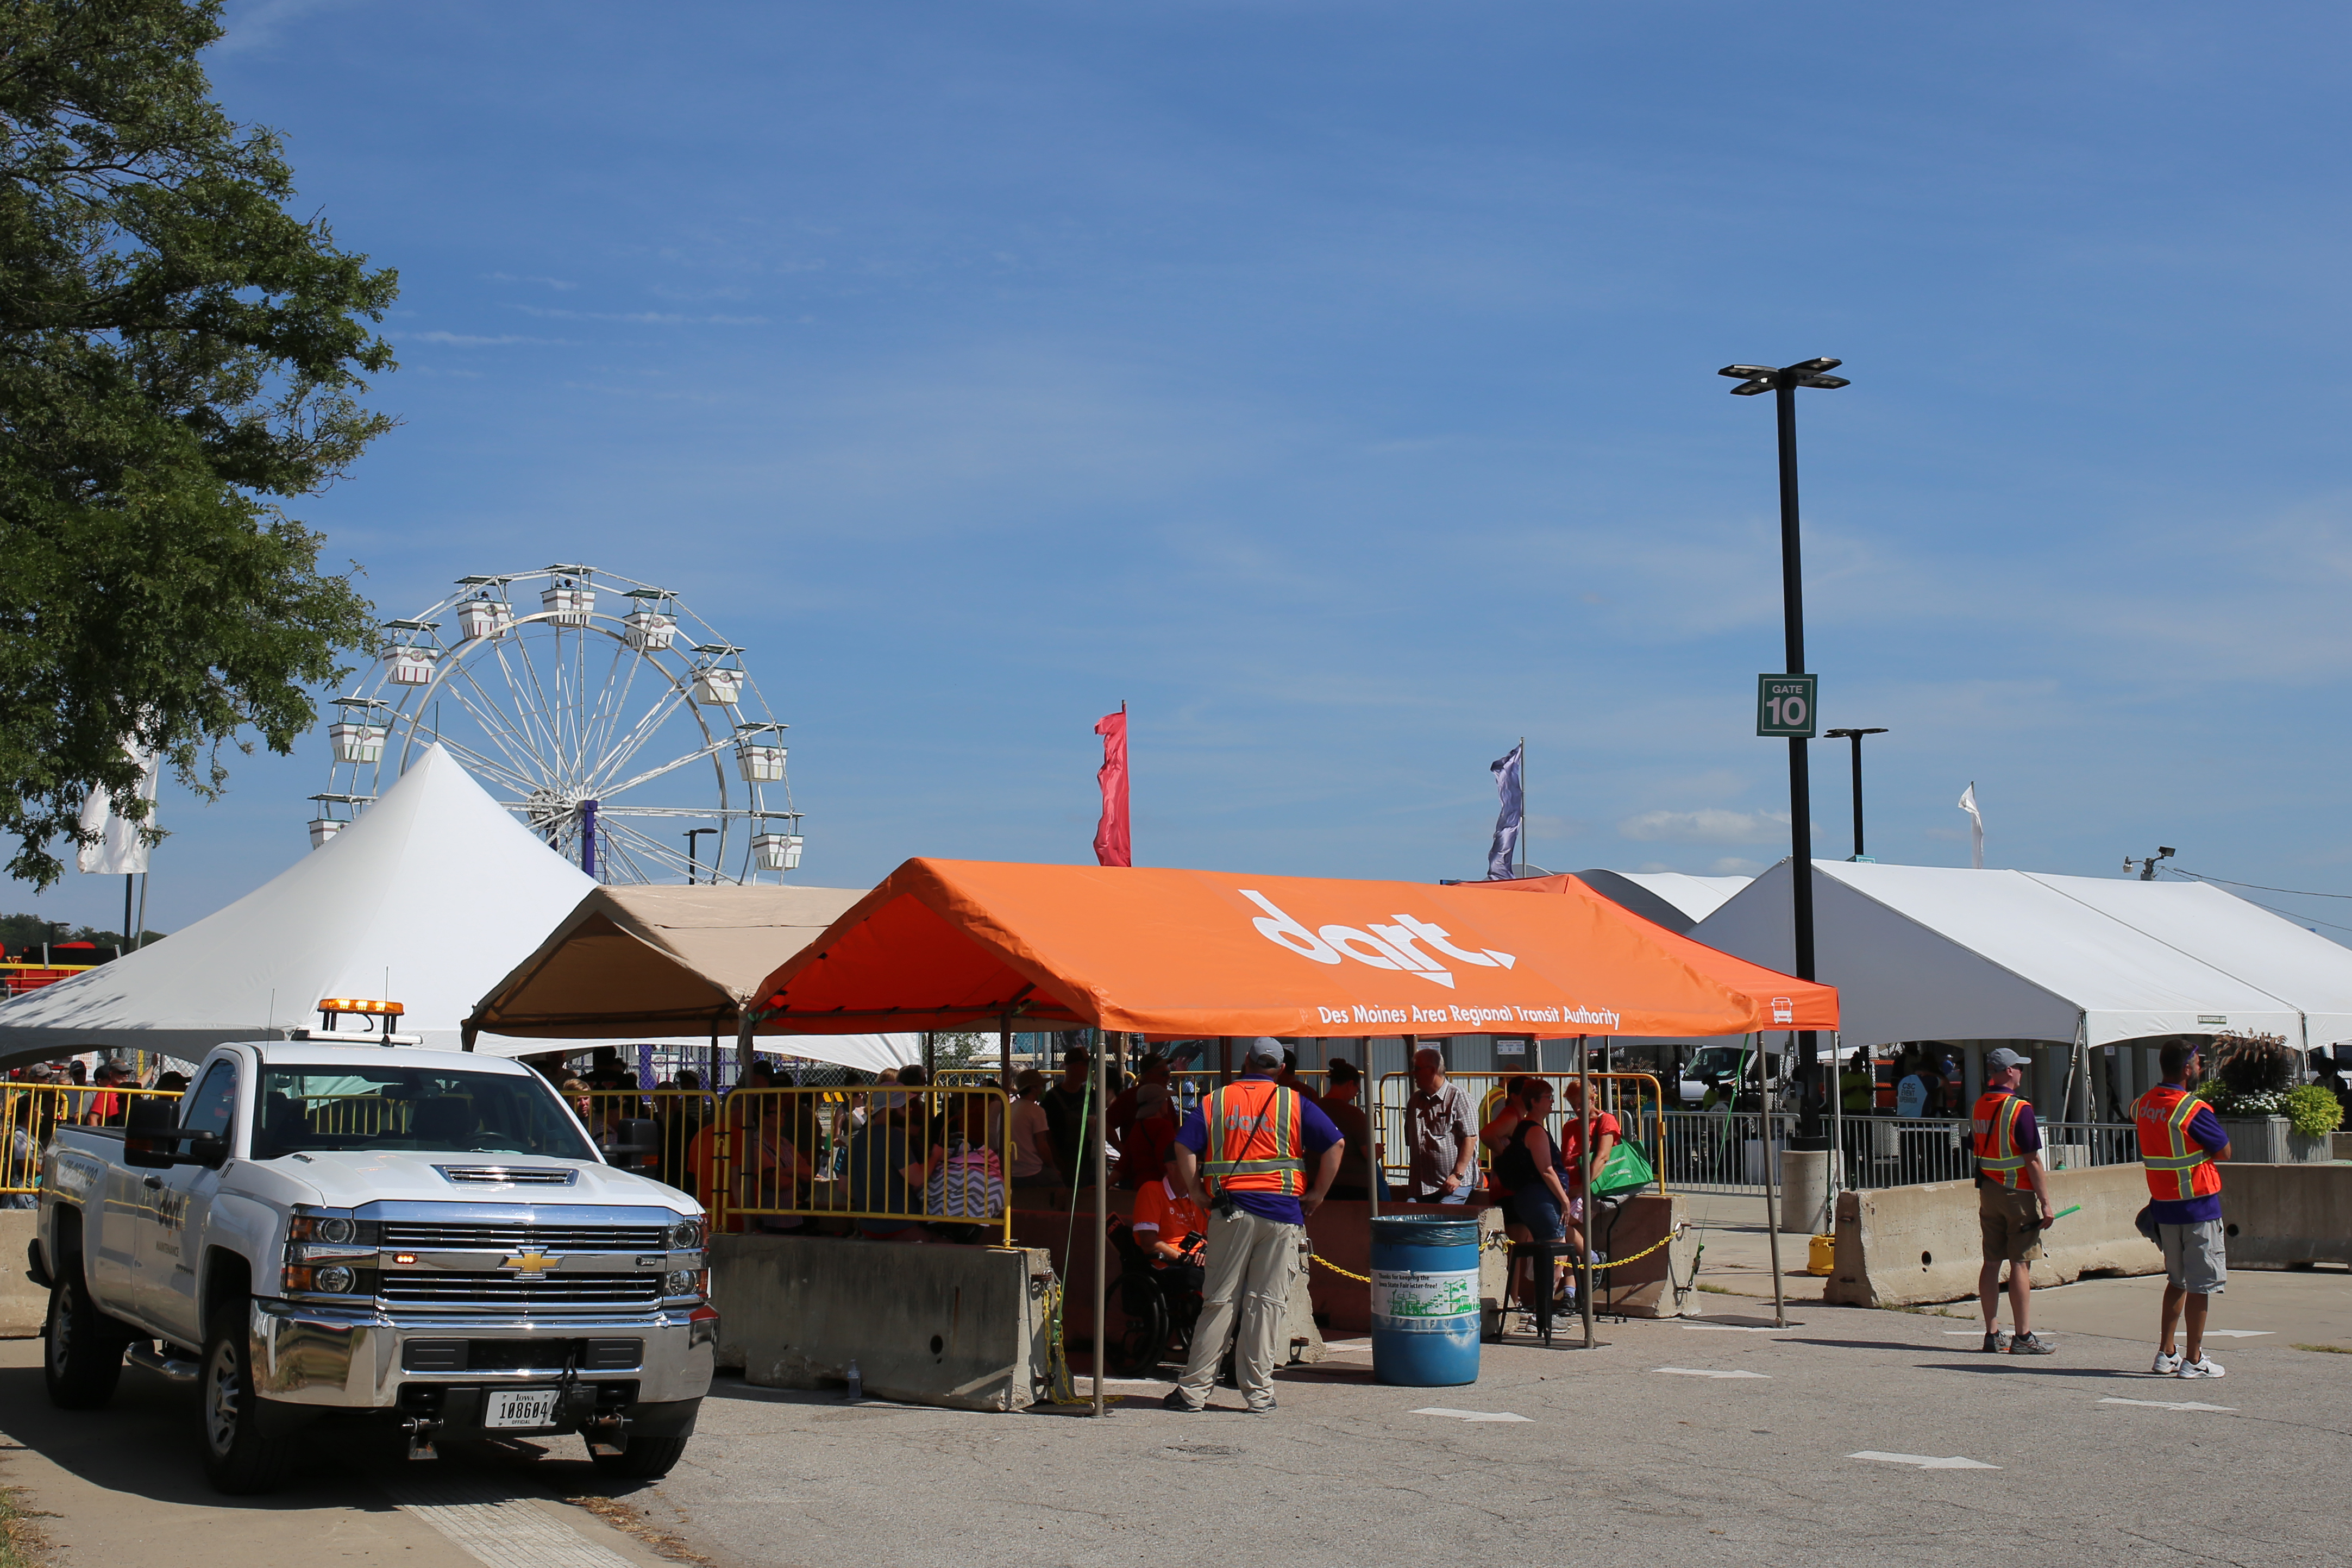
(670, 961)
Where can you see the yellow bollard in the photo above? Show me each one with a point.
(1822, 1257)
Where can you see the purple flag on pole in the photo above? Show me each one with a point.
(1504, 852)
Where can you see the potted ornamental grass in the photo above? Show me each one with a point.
(2271, 1118)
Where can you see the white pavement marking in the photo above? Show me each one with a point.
(1470, 1414)
(2169, 1403)
(2238, 1333)
(1923, 1461)
(1738, 1329)
(502, 1531)
(1704, 1372)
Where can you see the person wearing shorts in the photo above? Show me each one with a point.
(2012, 1200)
(2180, 1140)
(1530, 1165)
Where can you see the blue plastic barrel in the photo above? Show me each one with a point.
(1424, 1301)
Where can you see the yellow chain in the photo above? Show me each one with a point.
(1497, 1242)
(1360, 1278)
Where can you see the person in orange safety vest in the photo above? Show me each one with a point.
(2012, 1200)
(2179, 1139)
(1253, 1140)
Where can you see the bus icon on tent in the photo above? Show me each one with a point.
(1783, 1010)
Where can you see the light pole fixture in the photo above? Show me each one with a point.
(694, 836)
(1782, 384)
(1855, 736)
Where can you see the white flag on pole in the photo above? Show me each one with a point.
(1976, 830)
(119, 851)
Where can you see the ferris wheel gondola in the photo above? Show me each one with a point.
(623, 740)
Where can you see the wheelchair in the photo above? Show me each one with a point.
(1160, 1307)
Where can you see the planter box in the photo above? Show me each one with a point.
(2272, 1141)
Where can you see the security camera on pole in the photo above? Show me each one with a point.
(1787, 703)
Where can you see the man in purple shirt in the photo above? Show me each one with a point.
(2184, 1204)
(1256, 1237)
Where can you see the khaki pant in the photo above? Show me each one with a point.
(1251, 1265)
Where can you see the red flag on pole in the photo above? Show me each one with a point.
(1111, 844)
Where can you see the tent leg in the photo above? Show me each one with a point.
(466, 1032)
(1099, 1123)
(1004, 1057)
(744, 1026)
(1584, 1159)
(1224, 1059)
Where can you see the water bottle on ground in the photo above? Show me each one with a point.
(857, 1383)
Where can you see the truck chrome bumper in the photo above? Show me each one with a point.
(352, 1358)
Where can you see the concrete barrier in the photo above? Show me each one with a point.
(23, 1304)
(2279, 1217)
(963, 1327)
(1900, 1246)
(2341, 1144)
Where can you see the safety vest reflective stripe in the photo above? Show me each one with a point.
(2013, 1162)
(1235, 1167)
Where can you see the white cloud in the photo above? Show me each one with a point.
(1711, 824)
(1733, 866)
(556, 283)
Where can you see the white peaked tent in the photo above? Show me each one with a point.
(1674, 900)
(428, 899)
(1922, 952)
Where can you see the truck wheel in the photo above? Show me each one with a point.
(84, 1359)
(645, 1459)
(238, 1459)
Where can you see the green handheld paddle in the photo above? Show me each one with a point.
(2062, 1213)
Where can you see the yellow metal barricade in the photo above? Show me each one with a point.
(938, 1157)
(30, 1114)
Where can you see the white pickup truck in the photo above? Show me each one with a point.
(423, 1238)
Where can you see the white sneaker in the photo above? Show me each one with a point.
(2203, 1366)
(2167, 1364)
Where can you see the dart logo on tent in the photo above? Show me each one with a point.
(1397, 946)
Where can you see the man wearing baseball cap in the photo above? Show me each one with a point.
(2012, 1200)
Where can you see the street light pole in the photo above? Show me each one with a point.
(1855, 736)
(1782, 384)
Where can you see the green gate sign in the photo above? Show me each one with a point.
(1785, 706)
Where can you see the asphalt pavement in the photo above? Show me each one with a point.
(1850, 1437)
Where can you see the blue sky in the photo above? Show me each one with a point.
(1333, 383)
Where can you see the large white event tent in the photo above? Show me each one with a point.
(1975, 958)
(428, 899)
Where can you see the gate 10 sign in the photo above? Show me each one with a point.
(1784, 706)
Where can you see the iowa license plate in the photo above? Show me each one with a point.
(520, 1407)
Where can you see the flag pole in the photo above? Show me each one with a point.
(141, 941)
(1523, 805)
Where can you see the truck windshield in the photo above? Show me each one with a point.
(305, 1110)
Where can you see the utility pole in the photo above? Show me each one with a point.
(1783, 385)
(1855, 736)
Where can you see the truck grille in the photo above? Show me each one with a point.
(414, 1236)
(553, 1292)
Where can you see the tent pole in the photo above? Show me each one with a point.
(1098, 1122)
(744, 1026)
(1004, 1057)
(140, 924)
(1836, 1166)
(1772, 1184)
(1584, 1161)
(1225, 1060)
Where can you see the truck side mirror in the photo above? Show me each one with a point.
(209, 1150)
(147, 1135)
(639, 1145)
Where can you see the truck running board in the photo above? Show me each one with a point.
(168, 1367)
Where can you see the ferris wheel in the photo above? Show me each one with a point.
(614, 721)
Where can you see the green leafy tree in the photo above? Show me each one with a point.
(179, 353)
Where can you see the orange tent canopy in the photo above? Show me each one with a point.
(947, 944)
